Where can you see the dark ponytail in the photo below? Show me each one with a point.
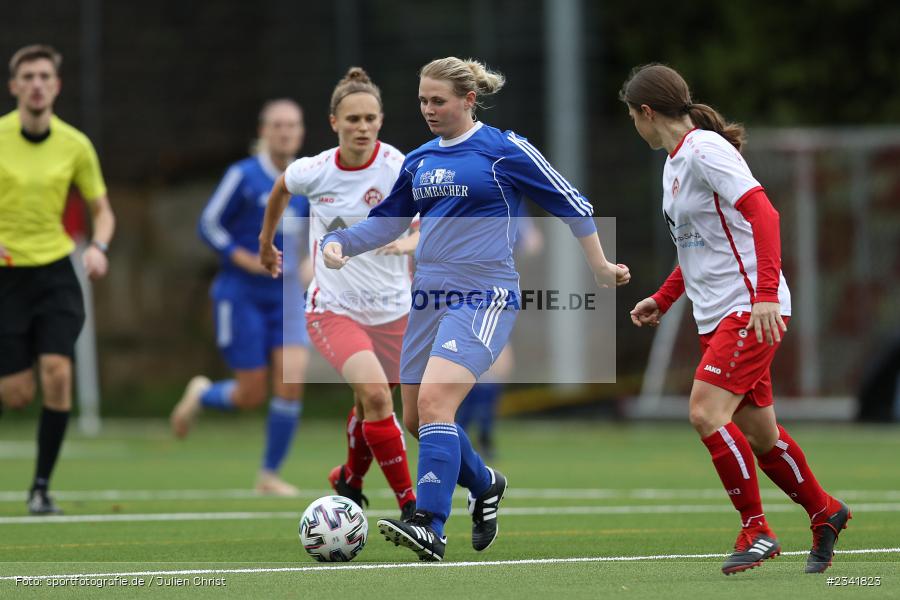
(706, 117)
(664, 90)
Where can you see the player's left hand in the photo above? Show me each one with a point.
(766, 317)
(95, 262)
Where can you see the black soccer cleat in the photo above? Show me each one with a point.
(39, 503)
(408, 510)
(825, 534)
(338, 480)
(416, 534)
(753, 546)
(484, 512)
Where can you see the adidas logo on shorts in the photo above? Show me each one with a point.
(451, 346)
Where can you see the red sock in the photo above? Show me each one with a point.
(359, 455)
(385, 438)
(786, 466)
(733, 459)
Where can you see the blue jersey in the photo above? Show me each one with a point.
(468, 192)
(233, 218)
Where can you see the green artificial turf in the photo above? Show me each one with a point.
(578, 490)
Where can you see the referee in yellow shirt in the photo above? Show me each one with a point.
(41, 306)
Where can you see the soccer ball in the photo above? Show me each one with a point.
(333, 529)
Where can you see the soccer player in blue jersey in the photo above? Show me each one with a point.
(258, 339)
(480, 405)
(466, 185)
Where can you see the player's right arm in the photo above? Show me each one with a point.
(649, 310)
(219, 211)
(269, 255)
(299, 179)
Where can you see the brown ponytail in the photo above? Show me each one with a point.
(664, 90)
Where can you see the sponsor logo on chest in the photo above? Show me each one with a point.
(436, 183)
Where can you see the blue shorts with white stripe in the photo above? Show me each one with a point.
(252, 321)
(466, 324)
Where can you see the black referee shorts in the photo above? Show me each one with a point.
(41, 312)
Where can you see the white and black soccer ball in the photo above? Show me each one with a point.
(333, 529)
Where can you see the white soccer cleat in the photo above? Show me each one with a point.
(185, 412)
(270, 484)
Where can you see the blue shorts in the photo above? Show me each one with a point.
(249, 325)
(466, 324)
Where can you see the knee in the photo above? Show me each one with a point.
(704, 420)
(432, 408)
(56, 373)
(56, 382)
(760, 441)
(249, 397)
(375, 398)
(411, 422)
(19, 396)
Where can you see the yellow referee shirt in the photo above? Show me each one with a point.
(34, 183)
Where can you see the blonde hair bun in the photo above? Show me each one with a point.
(465, 76)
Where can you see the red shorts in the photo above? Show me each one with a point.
(338, 337)
(735, 361)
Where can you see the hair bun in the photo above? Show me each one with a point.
(357, 74)
(355, 80)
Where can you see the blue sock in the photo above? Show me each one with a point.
(218, 395)
(438, 470)
(487, 407)
(473, 475)
(284, 415)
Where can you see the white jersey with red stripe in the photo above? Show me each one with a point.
(704, 181)
(371, 289)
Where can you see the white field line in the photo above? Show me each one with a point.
(17, 450)
(519, 493)
(507, 512)
(422, 565)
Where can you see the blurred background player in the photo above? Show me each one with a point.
(41, 301)
(260, 339)
(465, 185)
(355, 318)
(727, 236)
(480, 405)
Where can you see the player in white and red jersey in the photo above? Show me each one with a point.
(356, 317)
(726, 234)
